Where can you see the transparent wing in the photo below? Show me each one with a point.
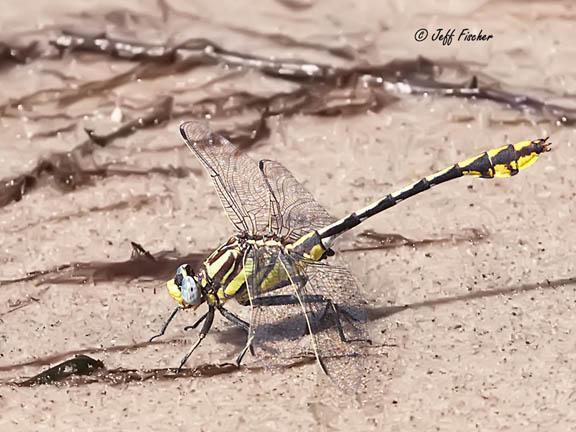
(278, 331)
(341, 336)
(236, 177)
(258, 198)
(297, 211)
(326, 318)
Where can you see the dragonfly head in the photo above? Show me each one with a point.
(184, 288)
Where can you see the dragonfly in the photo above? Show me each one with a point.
(280, 260)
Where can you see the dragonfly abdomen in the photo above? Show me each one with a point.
(504, 161)
(310, 247)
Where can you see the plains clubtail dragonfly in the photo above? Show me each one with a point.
(278, 261)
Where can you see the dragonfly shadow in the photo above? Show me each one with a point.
(376, 313)
(237, 337)
(141, 265)
(231, 335)
(294, 327)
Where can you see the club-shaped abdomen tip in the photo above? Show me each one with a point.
(528, 152)
(544, 145)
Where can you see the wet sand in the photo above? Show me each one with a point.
(486, 341)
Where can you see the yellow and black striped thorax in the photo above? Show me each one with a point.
(225, 272)
(222, 276)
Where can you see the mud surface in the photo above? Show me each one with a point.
(472, 285)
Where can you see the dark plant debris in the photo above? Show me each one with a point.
(142, 264)
(418, 76)
(55, 132)
(13, 54)
(82, 370)
(319, 90)
(79, 365)
(67, 174)
(69, 41)
(56, 357)
(159, 115)
(66, 168)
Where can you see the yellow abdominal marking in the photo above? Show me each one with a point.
(316, 251)
(438, 174)
(526, 161)
(503, 170)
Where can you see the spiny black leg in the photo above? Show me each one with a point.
(165, 326)
(236, 320)
(233, 318)
(197, 323)
(209, 319)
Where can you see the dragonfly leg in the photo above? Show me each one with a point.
(239, 322)
(197, 323)
(165, 326)
(234, 319)
(290, 299)
(242, 353)
(208, 320)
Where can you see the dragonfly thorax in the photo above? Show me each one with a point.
(224, 273)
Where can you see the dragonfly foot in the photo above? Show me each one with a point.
(242, 353)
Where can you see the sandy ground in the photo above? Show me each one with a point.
(489, 341)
